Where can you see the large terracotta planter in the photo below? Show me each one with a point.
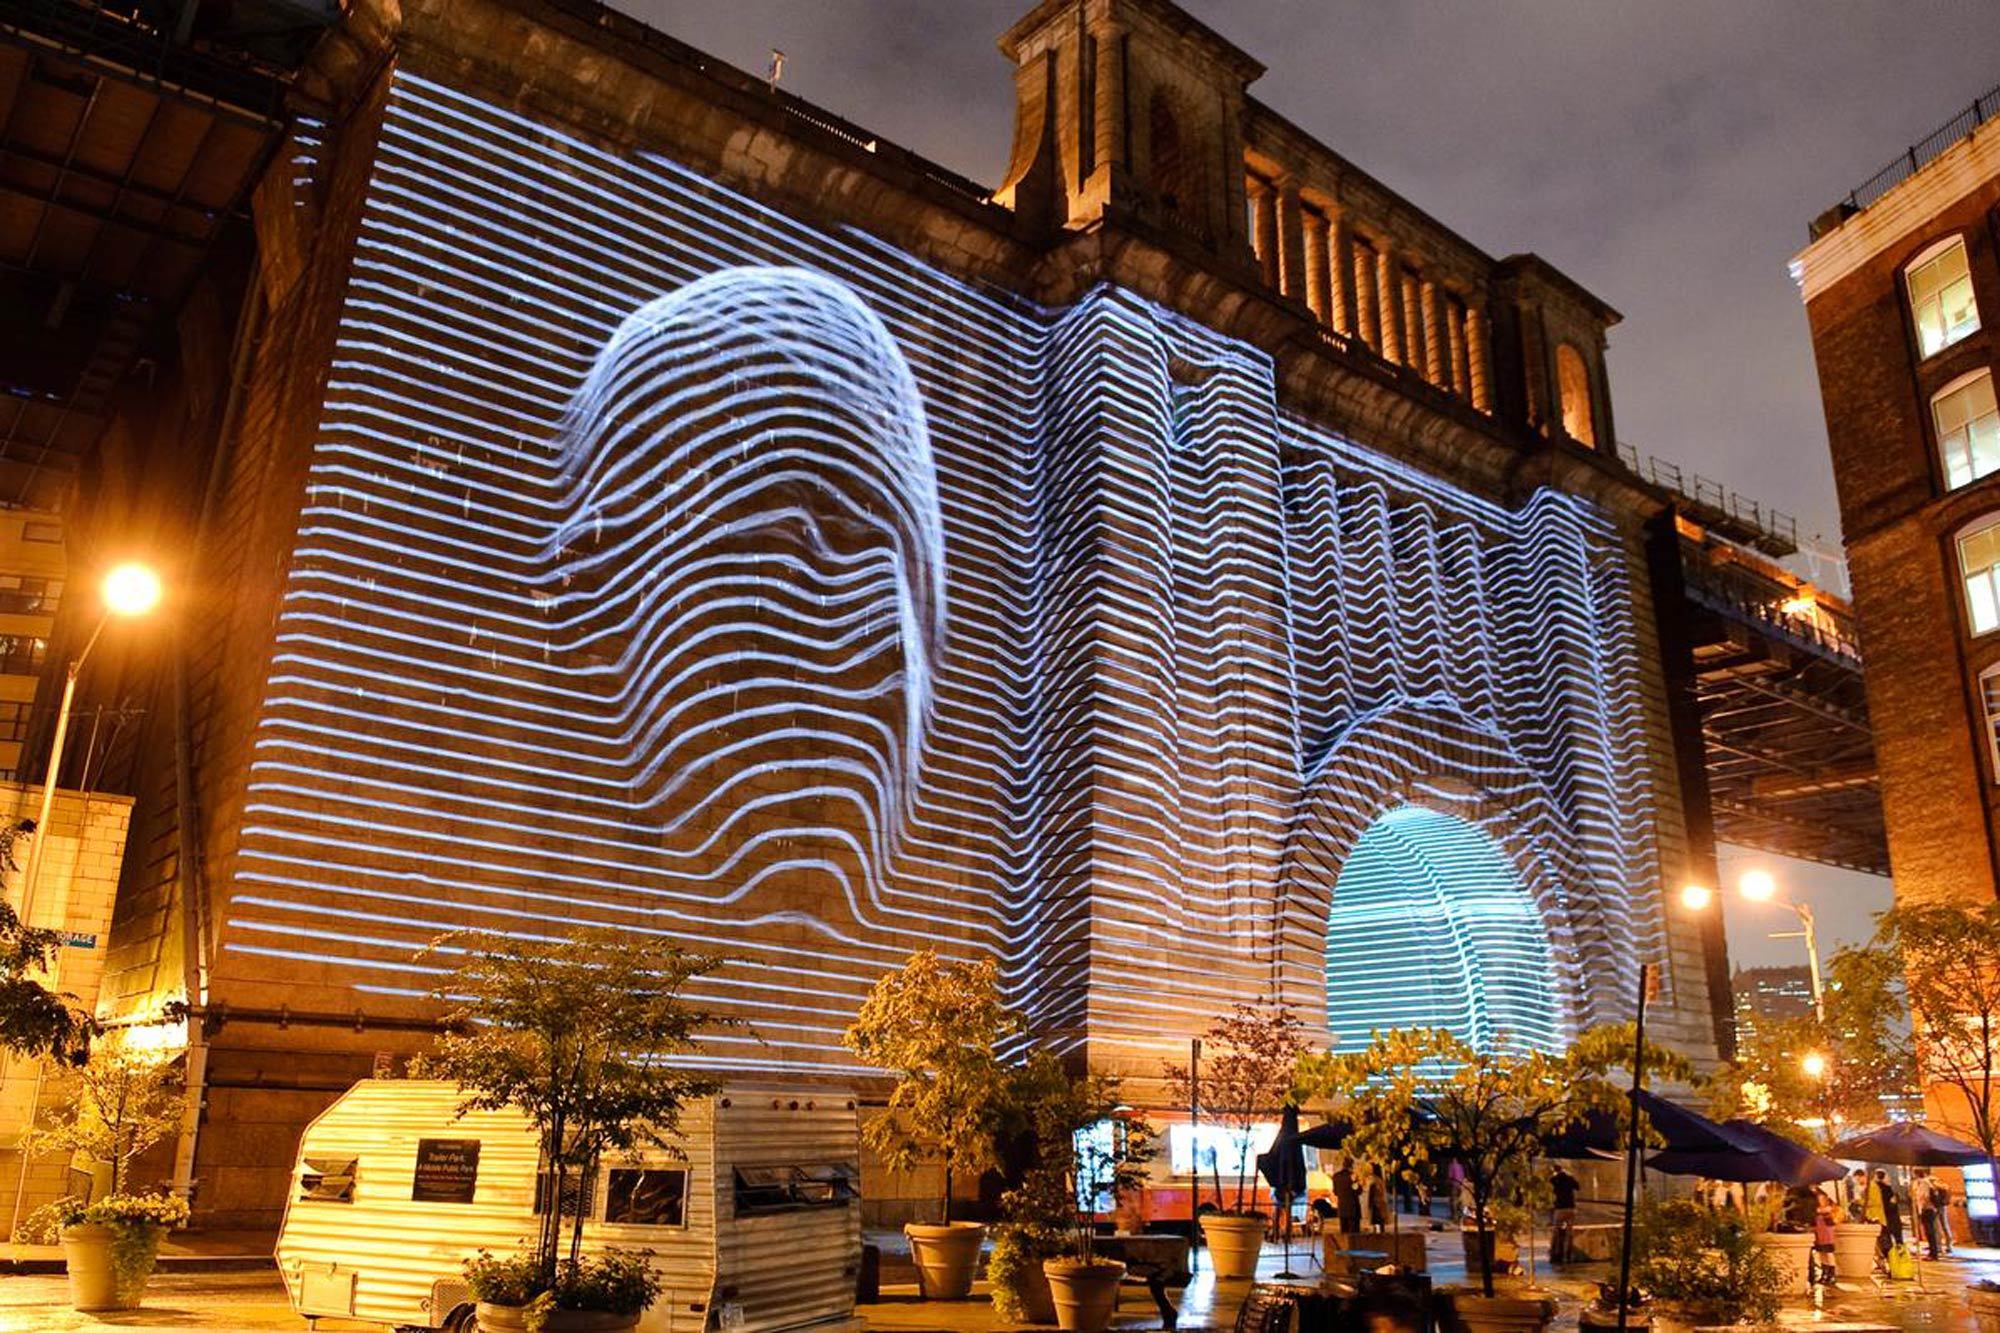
(1854, 1250)
(1792, 1253)
(1235, 1243)
(513, 1319)
(1985, 1307)
(1085, 1292)
(110, 1265)
(946, 1256)
(1469, 1312)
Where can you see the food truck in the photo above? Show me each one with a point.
(754, 1221)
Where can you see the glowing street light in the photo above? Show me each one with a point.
(1697, 897)
(1761, 886)
(1814, 1065)
(129, 590)
(1758, 886)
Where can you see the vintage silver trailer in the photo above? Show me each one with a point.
(755, 1226)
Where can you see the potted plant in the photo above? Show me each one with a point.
(1418, 1097)
(1255, 1049)
(936, 1025)
(35, 1022)
(579, 1035)
(119, 1104)
(1014, 1277)
(1703, 1266)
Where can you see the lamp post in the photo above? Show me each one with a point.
(129, 590)
(1758, 886)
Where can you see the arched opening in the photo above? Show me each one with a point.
(1432, 927)
(1573, 384)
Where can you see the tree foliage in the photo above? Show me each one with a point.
(1082, 1147)
(1945, 959)
(1249, 1056)
(937, 1026)
(1418, 1097)
(1864, 1043)
(116, 1106)
(35, 1022)
(581, 1036)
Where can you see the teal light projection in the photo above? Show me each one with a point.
(1432, 927)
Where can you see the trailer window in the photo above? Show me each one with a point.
(328, 1179)
(646, 1197)
(769, 1189)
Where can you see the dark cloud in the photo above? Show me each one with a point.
(1666, 155)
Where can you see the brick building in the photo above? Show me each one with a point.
(1185, 573)
(1902, 291)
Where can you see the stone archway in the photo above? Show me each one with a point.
(1431, 926)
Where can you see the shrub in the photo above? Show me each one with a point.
(1705, 1261)
(616, 1282)
(1018, 1251)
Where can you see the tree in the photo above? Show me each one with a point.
(1422, 1096)
(1082, 1147)
(1864, 1052)
(580, 1035)
(117, 1105)
(1246, 1078)
(35, 1022)
(937, 1025)
(1945, 959)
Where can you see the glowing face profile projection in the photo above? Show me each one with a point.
(751, 566)
(1432, 927)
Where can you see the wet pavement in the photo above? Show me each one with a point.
(251, 1302)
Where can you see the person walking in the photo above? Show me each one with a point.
(1562, 1220)
(1377, 1200)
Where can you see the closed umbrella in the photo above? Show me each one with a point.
(1908, 1144)
(1284, 1167)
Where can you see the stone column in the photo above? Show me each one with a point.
(1367, 296)
(1319, 275)
(1264, 228)
(1461, 355)
(1291, 241)
(1416, 334)
(1479, 357)
(1340, 269)
(1108, 115)
(1437, 341)
(1389, 294)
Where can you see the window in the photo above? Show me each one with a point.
(1573, 385)
(1979, 566)
(327, 1179)
(1941, 299)
(1989, 694)
(577, 1194)
(1968, 428)
(646, 1198)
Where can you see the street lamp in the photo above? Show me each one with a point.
(130, 590)
(1760, 886)
(1814, 1065)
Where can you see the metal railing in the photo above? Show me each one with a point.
(1918, 155)
(1770, 530)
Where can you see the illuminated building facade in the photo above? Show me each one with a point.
(660, 503)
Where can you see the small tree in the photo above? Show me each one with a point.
(937, 1026)
(116, 1106)
(1422, 1096)
(1946, 961)
(1252, 1053)
(35, 1022)
(580, 1035)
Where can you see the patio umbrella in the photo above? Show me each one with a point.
(1284, 1166)
(1907, 1144)
(1761, 1155)
(1681, 1130)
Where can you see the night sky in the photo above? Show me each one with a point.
(1667, 156)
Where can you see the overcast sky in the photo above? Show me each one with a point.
(1666, 155)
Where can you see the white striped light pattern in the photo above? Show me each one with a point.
(1453, 939)
(620, 596)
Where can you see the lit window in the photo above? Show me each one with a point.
(1979, 566)
(1968, 428)
(1573, 384)
(1989, 693)
(1941, 297)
